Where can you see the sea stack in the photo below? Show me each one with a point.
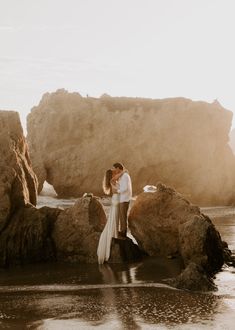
(180, 142)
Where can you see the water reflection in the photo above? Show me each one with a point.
(105, 296)
(127, 308)
(120, 298)
(122, 273)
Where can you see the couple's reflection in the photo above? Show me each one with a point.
(120, 298)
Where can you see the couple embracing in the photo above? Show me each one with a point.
(117, 183)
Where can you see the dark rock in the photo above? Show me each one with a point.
(165, 223)
(201, 243)
(28, 236)
(193, 278)
(155, 217)
(77, 230)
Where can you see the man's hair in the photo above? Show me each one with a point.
(118, 165)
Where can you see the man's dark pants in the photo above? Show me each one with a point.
(123, 208)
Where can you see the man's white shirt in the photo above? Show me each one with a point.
(125, 188)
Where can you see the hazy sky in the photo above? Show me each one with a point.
(148, 48)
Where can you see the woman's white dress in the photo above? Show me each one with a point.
(110, 230)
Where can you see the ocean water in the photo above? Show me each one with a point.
(127, 296)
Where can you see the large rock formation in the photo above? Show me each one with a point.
(18, 183)
(24, 230)
(182, 143)
(164, 223)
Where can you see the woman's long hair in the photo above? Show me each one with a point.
(107, 188)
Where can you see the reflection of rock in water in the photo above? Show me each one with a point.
(176, 141)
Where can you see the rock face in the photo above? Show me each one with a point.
(232, 140)
(28, 237)
(201, 243)
(182, 143)
(18, 183)
(165, 223)
(77, 231)
(24, 230)
(192, 278)
(155, 218)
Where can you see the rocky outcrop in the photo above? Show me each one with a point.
(24, 230)
(18, 183)
(182, 143)
(76, 232)
(155, 218)
(28, 237)
(164, 223)
(201, 243)
(193, 278)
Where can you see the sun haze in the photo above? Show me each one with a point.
(153, 48)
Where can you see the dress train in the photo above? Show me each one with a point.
(110, 230)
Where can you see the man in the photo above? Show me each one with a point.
(125, 191)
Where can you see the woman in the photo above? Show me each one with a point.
(110, 186)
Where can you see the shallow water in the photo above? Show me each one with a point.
(134, 296)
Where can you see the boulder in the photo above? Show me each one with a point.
(180, 142)
(193, 278)
(18, 183)
(165, 223)
(77, 230)
(201, 243)
(28, 236)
